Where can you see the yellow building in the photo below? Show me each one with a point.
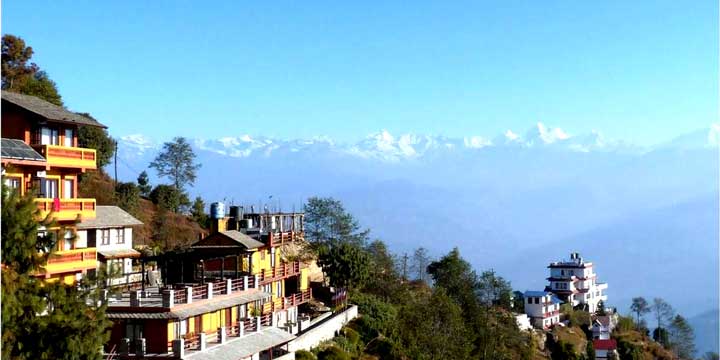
(239, 281)
(40, 153)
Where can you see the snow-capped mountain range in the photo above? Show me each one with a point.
(388, 147)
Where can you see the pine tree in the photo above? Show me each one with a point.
(682, 339)
(43, 320)
(144, 184)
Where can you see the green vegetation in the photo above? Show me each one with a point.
(93, 137)
(43, 320)
(22, 76)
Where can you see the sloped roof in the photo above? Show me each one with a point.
(119, 253)
(107, 217)
(228, 239)
(608, 344)
(48, 110)
(245, 346)
(18, 149)
(536, 293)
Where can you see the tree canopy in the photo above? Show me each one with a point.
(21, 75)
(176, 161)
(326, 221)
(43, 320)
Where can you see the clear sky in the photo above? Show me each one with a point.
(644, 71)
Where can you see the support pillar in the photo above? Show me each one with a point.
(222, 268)
(178, 348)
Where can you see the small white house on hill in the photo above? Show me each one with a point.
(543, 308)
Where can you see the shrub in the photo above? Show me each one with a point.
(333, 353)
(304, 355)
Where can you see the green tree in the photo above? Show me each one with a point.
(420, 262)
(197, 212)
(346, 265)
(169, 198)
(640, 307)
(432, 327)
(144, 184)
(333, 353)
(21, 76)
(94, 137)
(304, 355)
(327, 222)
(383, 280)
(663, 311)
(457, 277)
(177, 162)
(127, 197)
(590, 351)
(43, 320)
(682, 338)
(493, 290)
(661, 336)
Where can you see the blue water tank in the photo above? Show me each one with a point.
(217, 210)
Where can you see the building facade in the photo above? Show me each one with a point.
(575, 282)
(40, 153)
(111, 233)
(543, 308)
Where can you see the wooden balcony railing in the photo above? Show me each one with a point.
(287, 302)
(279, 272)
(66, 209)
(73, 255)
(68, 156)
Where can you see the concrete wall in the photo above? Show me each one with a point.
(324, 331)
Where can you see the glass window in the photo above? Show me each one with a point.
(121, 236)
(49, 188)
(105, 237)
(12, 182)
(49, 136)
(68, 137)
(68, 188)
(68, 240)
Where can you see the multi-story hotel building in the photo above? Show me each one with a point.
(40, 153)
(575, 282)
(234, 291)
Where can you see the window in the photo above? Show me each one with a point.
(68, 188)
(121, 236)
(272, 257)
(68, 240)
(562, 272)
(279, 288)
(48, 188)
(12, 182)
(49, 136)
(68, 137)
(105, 237)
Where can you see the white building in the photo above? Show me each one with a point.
(111, 233)
(543, 308)
(575, 282)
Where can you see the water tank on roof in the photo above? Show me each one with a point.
(235, 212)
(217, 210)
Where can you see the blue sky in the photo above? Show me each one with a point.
(644, 71)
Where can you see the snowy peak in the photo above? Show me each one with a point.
(385, 146)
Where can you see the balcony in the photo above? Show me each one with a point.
(279, 272)
(71, 260)
(67, 156)
(66, 209)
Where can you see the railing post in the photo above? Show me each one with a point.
(241, 329)
(209, 290)
(124, 347)
(135, 298)
(258, 323)
(245, 283)
(178, 348)
(222, 335)
(140, 347)
(257, 281)
(202, 340)
(168, 298)
(228, 286)
(188, 294)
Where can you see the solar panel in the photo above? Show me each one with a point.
(17, 149)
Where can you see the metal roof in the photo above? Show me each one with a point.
(184, 311)
(536, 293)
(245, 346)
(237, 237)
(108, 217)
(119, 253)
(18, 149)
(48, 110)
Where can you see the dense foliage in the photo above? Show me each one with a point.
(22, 76)
(40, 319)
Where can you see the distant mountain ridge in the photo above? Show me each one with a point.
(387, 147)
